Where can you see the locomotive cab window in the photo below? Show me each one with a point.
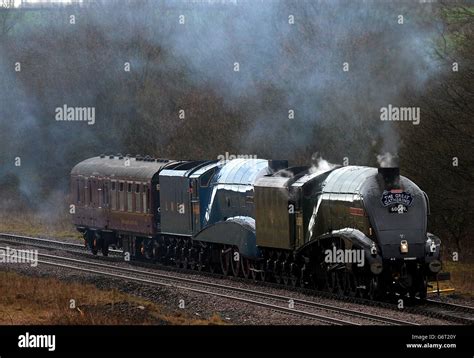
(206, 179)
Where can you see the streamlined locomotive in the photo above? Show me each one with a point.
(352, 230)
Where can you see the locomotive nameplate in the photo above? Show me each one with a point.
(390, 198)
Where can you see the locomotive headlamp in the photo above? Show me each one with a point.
(373, 250)
(403, 246)
(432, 247)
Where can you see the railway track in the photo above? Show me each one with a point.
(287, 305)
(47, 243)
(449, 311)
(430, 308)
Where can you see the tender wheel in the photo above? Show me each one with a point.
(262, 271)
(335, 282)
(294, 277)
(235, 262)
(192, 258)
(184, 257)
(200, 263)
(253, 270)
(285, 274)
(245, 266)
(350, 284)
(156, 254)
(277, 271)
(302, 278)
(374, 288)
(360, 288)
(225, 259)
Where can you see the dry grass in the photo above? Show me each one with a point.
(462, 275)
(27, 300)
(36, 224)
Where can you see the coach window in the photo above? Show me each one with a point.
(121, 196)
(78, 191)
(83, 192)
(113, 196)
(138, 199)
(129, 197)
(148, 199)
(100, 193)
(88, 190)
(145, 198)
(105, 195)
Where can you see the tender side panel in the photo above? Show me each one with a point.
(175, 205)
(274, 217)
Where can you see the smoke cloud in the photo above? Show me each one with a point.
(276, 79)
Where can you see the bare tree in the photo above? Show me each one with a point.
(9, 16)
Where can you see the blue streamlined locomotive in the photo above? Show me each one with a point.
(352, 230)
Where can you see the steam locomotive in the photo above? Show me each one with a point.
(351, 230)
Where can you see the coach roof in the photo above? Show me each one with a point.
(115, 167)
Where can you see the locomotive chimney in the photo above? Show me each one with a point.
(276, 165)
(390, 177)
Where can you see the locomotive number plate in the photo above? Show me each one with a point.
(398, 209)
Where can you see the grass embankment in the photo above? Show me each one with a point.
(38, 225)
(29, 300)
(462, 278)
